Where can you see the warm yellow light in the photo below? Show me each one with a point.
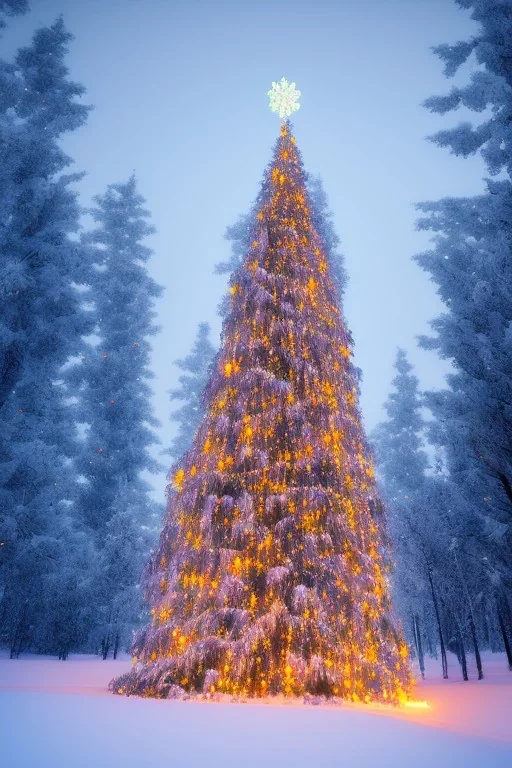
(179, 478)
(416, 705)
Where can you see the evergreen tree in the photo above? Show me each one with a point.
(129, 535)
(415, 532)
(401, 454)
(41, 325)
(441, 578)
(275, 580)
(471, 266)
(321, 217)
(192, 383)
(11, 8)
(113, 392)
(239, 234)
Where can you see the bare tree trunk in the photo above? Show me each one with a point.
(105, 644)
(475, 645)
(485, 624)
(462, 652)
(414, 636)
(507, 611)
(471, 618)
(17, 641)
(505, 482)
(419, 646)
(429, 642)
(116, 645)
(9, 373)
(444, 661)
(506, 642)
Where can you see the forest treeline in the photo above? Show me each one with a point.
(77, 432)
(76, 425)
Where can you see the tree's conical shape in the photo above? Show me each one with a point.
(270, 576)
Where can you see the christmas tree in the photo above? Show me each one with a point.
(271, 576)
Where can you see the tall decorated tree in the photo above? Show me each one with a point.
(270, 575)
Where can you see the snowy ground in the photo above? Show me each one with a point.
(59, 714)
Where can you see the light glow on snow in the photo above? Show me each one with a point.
(417, 705)
(55, 714)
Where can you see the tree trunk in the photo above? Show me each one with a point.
(507, 487)
(9, 373)
(419, 646)
(475, 645)
(105, 644)
(429, 642)
(414, 636)
(485, 624)
(506, 642)
(462, 652)
(17, 641)
(507, 611)
(471, 618)
(444, 661)
(116, 646)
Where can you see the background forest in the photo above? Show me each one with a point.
(82, 454)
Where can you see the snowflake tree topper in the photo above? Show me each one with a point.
(284, 98)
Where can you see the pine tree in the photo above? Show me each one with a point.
(401, 455)
(192, 383)
(276, 580)
(470, 263)
(415, 524)
(11, 8)
(111, 384)
(440, 575)
(113, 377)
(41, 325)
(321, 218)
(129, 536)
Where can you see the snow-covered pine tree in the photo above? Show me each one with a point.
(402, 463)
(440, 577)
(191, 384)
(129, 535)
(402, 457)
(114, 396)
(471, 266)
(41, 325)
(11, 8)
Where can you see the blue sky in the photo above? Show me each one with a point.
(179, 89)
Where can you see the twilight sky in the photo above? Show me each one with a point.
(179, 89)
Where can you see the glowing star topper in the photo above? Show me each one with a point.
(284, 98)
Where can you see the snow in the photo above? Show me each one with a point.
(59, 714)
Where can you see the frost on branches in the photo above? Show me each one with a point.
(270, 577)
(471, 266)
